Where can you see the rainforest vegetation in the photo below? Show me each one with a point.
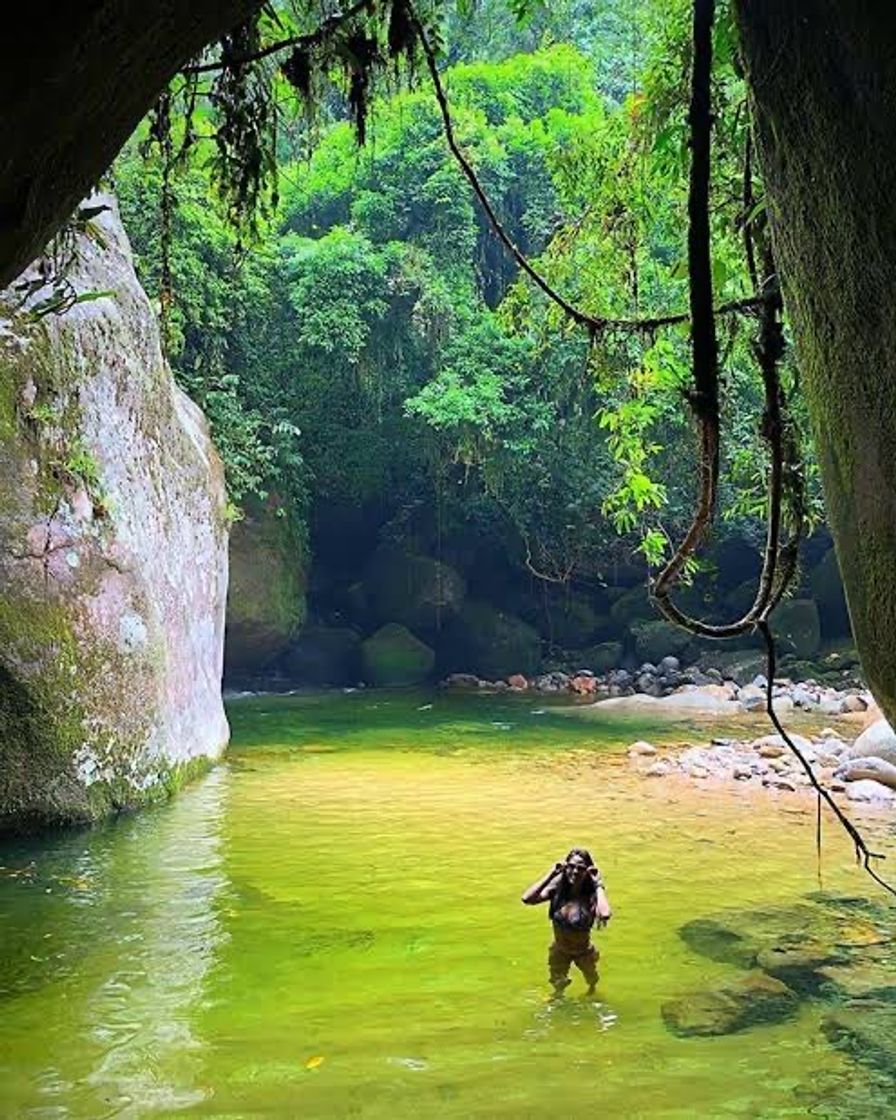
(418, 396)
(370, 357)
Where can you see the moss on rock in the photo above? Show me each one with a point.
(112, 559)
(489, 642)
(266, 597)
(394, 656)
(796, 625)
(656, 640)
(417, 591)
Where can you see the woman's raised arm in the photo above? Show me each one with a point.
(541, 890)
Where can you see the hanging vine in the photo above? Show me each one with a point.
(786, 500)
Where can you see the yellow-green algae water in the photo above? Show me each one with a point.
(329, 926)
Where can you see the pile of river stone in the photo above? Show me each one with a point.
(863, 769)
(668, 677)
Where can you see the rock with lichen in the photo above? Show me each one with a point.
(113, 549)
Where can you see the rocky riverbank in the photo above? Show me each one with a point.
(859, 768)
(742, 689)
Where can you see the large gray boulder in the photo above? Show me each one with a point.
(878, 740)
(113, 553)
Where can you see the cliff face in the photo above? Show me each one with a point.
(113, 553)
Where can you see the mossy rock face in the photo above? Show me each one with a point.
(393, 656)
(266, 596)
(752, 1000)
(491, 643)
(633, 606)
(827, 591)
(323, 655)
(113, 564)
(739, 666)
(656, 640)
(601, 658)
(415, 591)
(571, 621)
(866, 1034)
(797, 627)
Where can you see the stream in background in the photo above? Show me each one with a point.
(329, 925)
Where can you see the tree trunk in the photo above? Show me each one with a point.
(75, 79)
(822, 77)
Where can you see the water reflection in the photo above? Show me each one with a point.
(108, 936)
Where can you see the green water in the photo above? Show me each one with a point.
(329, 926)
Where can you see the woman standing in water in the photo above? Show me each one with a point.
(578, 900)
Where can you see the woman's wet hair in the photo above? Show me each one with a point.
(563, 892)
(582, 854)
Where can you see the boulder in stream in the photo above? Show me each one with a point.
(418, 592)
(394, 656)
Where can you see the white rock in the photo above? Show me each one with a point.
(878, 740)
(641, 747)
(868, 790)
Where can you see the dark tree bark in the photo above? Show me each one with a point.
(822, 77)
(75, 79)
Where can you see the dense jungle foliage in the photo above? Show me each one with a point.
(373, 363)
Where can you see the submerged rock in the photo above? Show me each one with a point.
(748, 1001)
(866, 1033)
(113, 554)
(801, 937)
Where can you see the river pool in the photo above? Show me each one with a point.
(328, 925)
